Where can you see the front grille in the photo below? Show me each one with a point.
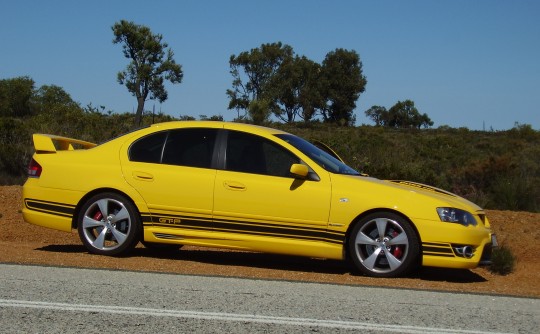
(437, 249)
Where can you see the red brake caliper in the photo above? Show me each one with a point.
(98, 216)
(398, 250)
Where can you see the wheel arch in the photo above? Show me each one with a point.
(357, 220)
(94, 192)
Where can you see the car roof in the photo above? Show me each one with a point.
(218, 124)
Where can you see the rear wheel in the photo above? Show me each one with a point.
(384, 245)
(109, 224)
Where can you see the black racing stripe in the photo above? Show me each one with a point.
(186, 227)
(268, 224)
(146, 218)
(275, 230)
(293, 230)
(336, 235)
(249, 228)
(53, 208)
(288, 236)
(181, 221)
(423, 186)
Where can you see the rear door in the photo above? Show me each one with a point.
(172, 170)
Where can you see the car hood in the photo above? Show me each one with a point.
(415, 198)
(437, 193)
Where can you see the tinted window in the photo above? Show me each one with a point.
(190, 147)
(253, 154)
(148, 149)
(183, 147)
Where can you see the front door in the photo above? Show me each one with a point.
(256, 197)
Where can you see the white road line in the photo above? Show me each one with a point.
(5, 303)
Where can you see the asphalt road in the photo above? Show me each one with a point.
(35, 299)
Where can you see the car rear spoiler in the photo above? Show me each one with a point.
(51, 143)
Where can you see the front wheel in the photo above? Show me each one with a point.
(384, 245)
(109, 224)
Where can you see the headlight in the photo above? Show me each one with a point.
(452, 215)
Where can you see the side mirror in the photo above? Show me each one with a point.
(299, 171)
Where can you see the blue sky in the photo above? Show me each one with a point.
(466, 63)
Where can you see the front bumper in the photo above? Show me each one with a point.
(485, 260)
(447, 255)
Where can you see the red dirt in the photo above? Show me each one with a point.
(23, 243)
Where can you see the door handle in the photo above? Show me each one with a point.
(142, 176)
(233, 185)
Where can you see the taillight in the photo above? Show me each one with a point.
(34, 169)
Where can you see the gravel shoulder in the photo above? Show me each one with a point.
(23, 243)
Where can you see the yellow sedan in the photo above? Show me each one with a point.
(245, 187)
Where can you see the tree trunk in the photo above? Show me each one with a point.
(138, 114)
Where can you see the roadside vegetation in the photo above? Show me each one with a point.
(274, 86)
(495, 169)
(503, 261)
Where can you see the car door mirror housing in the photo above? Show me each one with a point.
(299, 171)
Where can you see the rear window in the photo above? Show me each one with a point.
(190, 147)
(193, 147)
(149, 148)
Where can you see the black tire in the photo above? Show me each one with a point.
(384, 244)
(109, 224)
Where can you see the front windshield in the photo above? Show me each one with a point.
(322, 158)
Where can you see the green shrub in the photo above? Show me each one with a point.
(503, 261)
(15, 150)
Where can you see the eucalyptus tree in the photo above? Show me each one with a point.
(252, 73)
(405, 115)
(151, 64)
(295, 89)
(342, 82)
(377, 114)
(16, 97)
